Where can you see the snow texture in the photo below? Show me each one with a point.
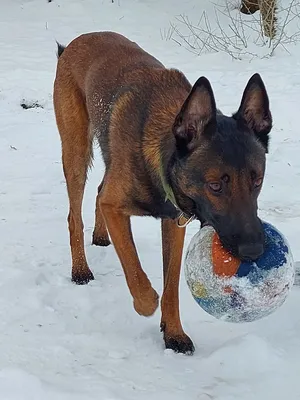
(251, 297)
(59, 341)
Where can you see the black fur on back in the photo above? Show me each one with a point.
(60, 49)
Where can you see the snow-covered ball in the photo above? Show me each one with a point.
(234, 290)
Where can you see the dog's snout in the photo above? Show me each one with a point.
(250, 251)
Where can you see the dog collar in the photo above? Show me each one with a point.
(183, 219)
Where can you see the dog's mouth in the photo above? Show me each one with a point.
(203, 223)
(230, 247)
(233, 250)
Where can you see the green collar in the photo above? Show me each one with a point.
(167, 188)
(183, 219)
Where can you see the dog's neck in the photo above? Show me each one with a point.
(183, 218)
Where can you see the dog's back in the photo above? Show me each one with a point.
(102, 57)
(105, 68)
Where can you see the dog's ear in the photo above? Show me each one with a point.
(196, 117)
(254, 109)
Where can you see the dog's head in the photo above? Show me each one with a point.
(220, 163)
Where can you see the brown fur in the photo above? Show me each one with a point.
(142, 114)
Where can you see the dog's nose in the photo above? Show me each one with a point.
(250, 251)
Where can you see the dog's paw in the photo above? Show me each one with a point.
(100, 241)
(82, 277)
(147, 304)
(178, 343)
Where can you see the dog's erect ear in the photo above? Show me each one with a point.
(196, 117)
(254, 109)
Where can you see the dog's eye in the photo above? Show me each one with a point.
(215, 187)
(257, 182)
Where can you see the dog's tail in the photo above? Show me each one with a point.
(60, 49)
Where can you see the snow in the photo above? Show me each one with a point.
(59, 341)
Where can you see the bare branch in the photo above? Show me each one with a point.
(241, 33)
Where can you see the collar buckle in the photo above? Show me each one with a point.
(183, 220)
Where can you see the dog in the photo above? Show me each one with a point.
(168, 152)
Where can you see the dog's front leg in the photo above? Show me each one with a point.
(172, 242)
(145, 298)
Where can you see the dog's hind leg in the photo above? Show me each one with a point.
(172, 241)
(72, 122)
(100, 234)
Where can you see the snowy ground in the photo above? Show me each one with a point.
(59, 341)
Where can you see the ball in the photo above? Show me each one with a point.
(239, 291)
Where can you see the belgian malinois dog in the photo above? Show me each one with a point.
(168, 153)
